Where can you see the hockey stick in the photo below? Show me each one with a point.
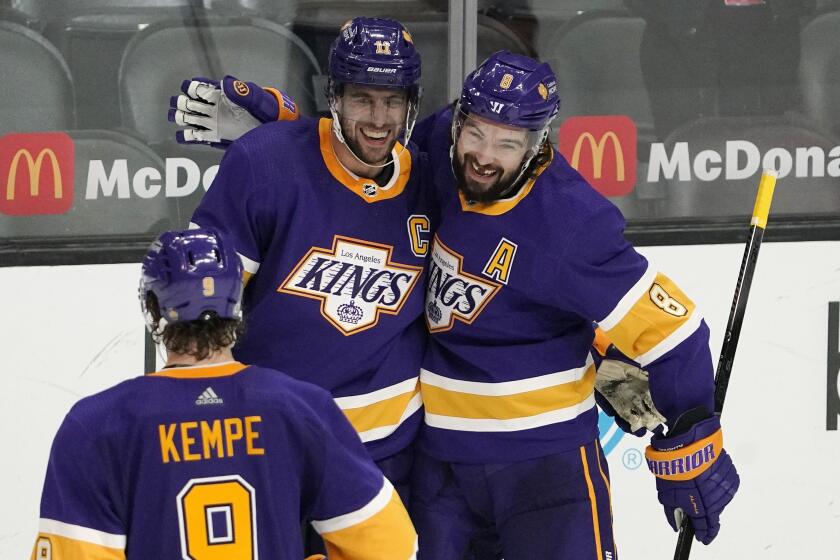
(736, 318)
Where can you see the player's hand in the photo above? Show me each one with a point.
(316, 557)
(622, 390)
(694, 476)
(217, 113)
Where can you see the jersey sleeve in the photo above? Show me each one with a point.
(640, 310)
(357, 511)
(79, 518)
(237, 206)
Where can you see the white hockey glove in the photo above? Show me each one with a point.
(217, 113)
(626, 389)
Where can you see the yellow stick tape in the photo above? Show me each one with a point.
(763, 199)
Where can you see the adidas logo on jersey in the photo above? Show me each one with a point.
(209, 396)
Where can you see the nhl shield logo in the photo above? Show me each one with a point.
(452, 293)
(355, 281)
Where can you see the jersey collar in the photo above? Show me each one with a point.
(499, 207)
(399, 178)
(223, 369)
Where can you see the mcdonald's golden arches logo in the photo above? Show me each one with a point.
(603, 150)
(37, 173)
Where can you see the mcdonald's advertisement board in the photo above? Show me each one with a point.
(74, 330)
(30, 164)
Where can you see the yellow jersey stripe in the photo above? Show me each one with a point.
(657, 314)
(444, 402)
(388, 412)
(380, 432)
(511, 425)
(381, 530)
(57, 547)
(673, 340)
(595, 524)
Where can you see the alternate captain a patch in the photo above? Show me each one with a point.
(355, 281)
(451, 292)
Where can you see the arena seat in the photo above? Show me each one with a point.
(111, 210)
(92, 35)
(596, 59)
(819, 69)
(37, 89)
(809, 194)
(163, 54)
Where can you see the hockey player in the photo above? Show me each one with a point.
(208, 457)
(526, 258)
(511, 429)
(330, 219)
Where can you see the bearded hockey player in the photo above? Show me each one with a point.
(209, 457)
(508, 379)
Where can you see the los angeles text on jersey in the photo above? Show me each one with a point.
(452, 293)
(210, 439)
(355, 281)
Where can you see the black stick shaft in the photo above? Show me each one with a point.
(733, 325)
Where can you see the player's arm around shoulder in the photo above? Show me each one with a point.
(79, 516)
(357, 511)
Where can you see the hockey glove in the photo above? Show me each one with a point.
(217, 113)
(694, 474)
(622, 390)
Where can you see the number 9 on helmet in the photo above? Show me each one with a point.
(190, 275)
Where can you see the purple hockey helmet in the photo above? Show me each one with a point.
(194, 274)
(375, 52)
(510, 90)
(513, 90)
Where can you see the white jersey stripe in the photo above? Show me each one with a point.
(415, 404)
(505, 387)
(630, 298)
(510, 425)
(684, 331)
(79, 533)
(361, 515)
(367, 399)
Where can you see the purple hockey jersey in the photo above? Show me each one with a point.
(336, 293)
(513, 289)
(212, 462)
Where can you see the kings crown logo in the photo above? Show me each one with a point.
(433, 312)
(350, 313)
(354, 280)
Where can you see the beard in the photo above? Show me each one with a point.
(368, 154)
(482, 191)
